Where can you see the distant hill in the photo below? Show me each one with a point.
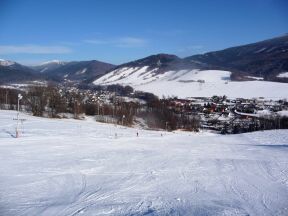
(48, 66)
(75, 71)
(14, 72)
(267, 59)
(211, 73)
(163, 62)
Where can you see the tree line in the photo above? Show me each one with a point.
(51, 101)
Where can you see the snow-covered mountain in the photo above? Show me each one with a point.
(49, 66)
(266, 59)
(75, 71)
(162, 67)
(172, 76)
(253, 63)
(55, 62)
(6, 62)
(192, 83)
(11, 71)
(215, 73)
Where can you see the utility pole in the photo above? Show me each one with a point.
(17, 125)
(113, 107)
(6, 97)
(166, 126)
(123, 117)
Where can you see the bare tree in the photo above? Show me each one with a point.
(37, 100)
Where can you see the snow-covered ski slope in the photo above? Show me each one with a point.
(73, 167)
(187, 83)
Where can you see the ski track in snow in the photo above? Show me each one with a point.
(72, 167)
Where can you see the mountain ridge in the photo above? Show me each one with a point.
(267, 60)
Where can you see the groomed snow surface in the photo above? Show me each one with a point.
(73, 167)
(185, 83)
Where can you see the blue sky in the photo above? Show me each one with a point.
(118, 31)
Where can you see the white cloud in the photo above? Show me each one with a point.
(33, 49)
(120, 42)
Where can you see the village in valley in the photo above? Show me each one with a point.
(122, 105)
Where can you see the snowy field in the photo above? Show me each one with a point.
(73, 167)
(184, 83)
